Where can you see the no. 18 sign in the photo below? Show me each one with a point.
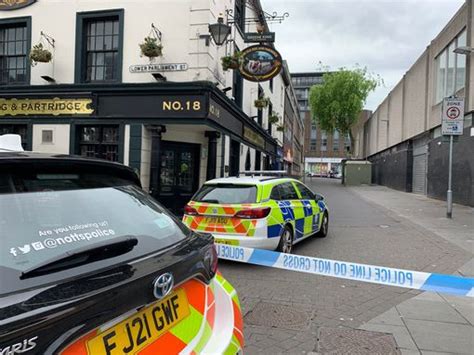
(452, 121)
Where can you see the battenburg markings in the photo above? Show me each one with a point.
(461, 286)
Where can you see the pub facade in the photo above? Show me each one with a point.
(179, 119)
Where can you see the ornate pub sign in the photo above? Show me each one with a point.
(260, 63)
(14, 4)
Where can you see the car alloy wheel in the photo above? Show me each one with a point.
(323, 232)
(286, 241)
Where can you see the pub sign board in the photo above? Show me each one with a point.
(45, 107)
(260, 63)
(252, 37)
(6, 5)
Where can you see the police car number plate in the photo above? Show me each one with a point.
(142, 328)
(217, 220)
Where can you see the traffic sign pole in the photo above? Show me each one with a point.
(449, 197)
(452, 122)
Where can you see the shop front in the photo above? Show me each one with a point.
(176, 135)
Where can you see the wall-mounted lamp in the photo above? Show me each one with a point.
(159, 77)
(48, 79)
(219, 31)
(463, 50)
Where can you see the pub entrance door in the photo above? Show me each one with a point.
(179, 174)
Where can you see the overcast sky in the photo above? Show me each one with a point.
(386, 36)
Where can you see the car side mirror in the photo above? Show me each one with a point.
(318, 197)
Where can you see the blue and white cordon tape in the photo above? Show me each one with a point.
(461, 286)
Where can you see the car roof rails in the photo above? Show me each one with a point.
(10, 143)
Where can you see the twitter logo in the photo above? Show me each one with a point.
(25, 249)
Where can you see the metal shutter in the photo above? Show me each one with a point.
(419, 174)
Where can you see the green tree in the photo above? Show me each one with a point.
(338, 102)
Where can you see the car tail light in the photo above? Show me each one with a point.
(253, 213)
(190, 211)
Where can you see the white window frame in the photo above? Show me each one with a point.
(446, 51)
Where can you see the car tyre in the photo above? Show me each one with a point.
(323, 232)
(286, 240)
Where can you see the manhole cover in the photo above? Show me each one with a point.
(354, 341)
(278, 315)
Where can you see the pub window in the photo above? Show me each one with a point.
(14, 48)
(237, 86)
(100, 47)
(240, 14)
(20, 129)
(100, 142)
(47, 136)
(260, 111)
(270, 125)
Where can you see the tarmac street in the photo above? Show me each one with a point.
(292, 312)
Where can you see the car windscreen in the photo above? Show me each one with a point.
(43, 216)
(226, 193)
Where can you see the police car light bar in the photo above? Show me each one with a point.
(264, 172)
(10, 143)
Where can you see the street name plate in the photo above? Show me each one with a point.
(157, 68)
(452, 120)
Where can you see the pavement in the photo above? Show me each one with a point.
(430, 323)
(287, 312)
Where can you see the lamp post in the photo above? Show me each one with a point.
(463, 50)
(219, 31)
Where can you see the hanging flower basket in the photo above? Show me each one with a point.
(262, 102)
(273, 118)
(231, 61)
(151, 48)
(39, 54)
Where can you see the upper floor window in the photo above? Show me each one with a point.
(324, 141)
(270, 125)
(100, 47)
(450, 69)
(335, 141)
(14, 49)
(347, 142)
(239, 14)
(313, 138)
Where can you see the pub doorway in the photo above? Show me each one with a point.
(179, 174)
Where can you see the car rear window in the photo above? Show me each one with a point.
(45, 214)
(227, 193)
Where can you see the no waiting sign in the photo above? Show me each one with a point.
(452, 121)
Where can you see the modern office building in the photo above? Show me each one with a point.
(178, 119)
(403, 137)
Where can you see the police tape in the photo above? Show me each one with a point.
(456, 285)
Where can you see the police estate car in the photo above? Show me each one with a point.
(91, 264)
(258, 212)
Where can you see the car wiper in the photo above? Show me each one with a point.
(85, 255)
